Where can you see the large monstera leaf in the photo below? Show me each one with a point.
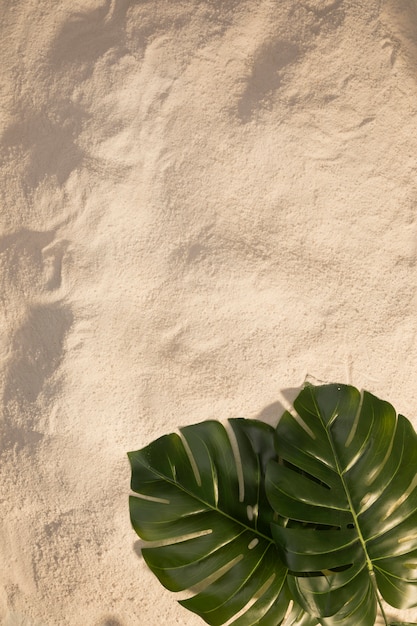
(203, 499)
(345, 491)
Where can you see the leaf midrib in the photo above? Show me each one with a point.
(344, 484)
(362, 541)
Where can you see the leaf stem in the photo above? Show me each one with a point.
(378, 597)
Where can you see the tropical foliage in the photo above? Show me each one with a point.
(313, 522)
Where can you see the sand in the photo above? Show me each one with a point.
(202, 203)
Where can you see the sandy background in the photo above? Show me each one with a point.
(202, 202)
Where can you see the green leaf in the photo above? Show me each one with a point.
(212, 516)
(345, 491)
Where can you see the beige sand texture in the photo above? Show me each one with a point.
(202, 203)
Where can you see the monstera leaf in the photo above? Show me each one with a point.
(345, 491)
(313, 522)
(203, 499)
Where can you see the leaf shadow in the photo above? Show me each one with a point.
(272, 413)
(108, 620)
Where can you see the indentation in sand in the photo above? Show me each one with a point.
(267, 73)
